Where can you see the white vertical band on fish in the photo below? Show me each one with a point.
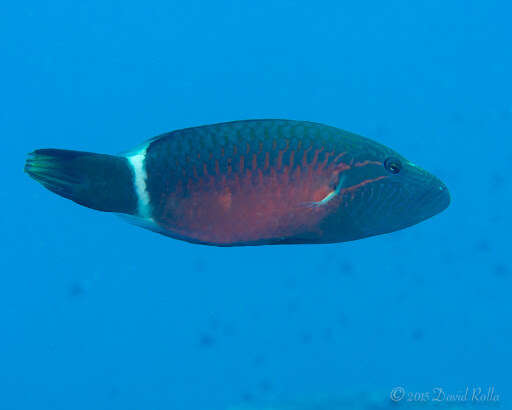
(137, 160)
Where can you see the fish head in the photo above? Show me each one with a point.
(381, 192)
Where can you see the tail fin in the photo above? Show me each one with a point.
(97, 181)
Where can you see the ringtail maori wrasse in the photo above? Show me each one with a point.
(252, 182)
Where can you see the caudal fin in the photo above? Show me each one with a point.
(97, 181)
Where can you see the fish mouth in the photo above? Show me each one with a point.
(434, 200)
(444, 196)
(433, 196)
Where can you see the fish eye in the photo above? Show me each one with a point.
(393, 165)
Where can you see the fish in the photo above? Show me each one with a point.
(250, 182)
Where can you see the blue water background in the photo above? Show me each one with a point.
(98, 314)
